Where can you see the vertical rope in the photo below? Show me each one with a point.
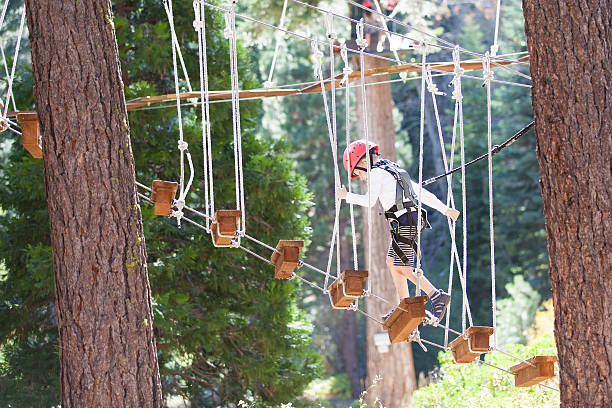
(331, 37)
(9, 91)
(278, 35)
(362, 43)
(6, 71)
(419, 271)
(182, 144)
(346, 82)
(318, 73)
(495, 47)
(200, 26)
(457, 95)
(403, 75)
(230, 33)
(488, 76)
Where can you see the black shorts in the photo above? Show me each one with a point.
(408, 229)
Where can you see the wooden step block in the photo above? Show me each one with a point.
(287, 260)
(465, 350)
(224, 227)
(30, 133)
(349, 287)
(401, 323)
(526, 375)
(162, 194)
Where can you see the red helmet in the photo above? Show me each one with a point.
(355, 152)
(367, 4)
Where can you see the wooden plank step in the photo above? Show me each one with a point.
(533, 371)
(475, 342)
(162, 194)
(286, 259)
(30, 133)
(401, 323)
(224, 227)
(348, 288)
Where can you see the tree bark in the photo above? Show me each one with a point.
(107, 350)
(390, 375)
(569, 44)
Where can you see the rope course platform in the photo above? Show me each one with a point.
(228, 226)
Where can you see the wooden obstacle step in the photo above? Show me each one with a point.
(30, 133)
(348, 288)
(533, 371)
(225, 227)
(162, 194)
(286, 258)
(401, 323)
(475, 342)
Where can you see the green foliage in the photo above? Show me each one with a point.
(516, 313)
(219, 315)
(473, 385)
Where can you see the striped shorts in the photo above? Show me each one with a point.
(407, 229)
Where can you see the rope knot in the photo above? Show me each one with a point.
(197, 25)
(431, 86)
(228, 31)
(4, 124)
(268, 84)
(317, 54)
(182, 145)
(487, 73)
(329, 25)
(362, 43)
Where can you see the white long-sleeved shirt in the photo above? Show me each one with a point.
(383, 188)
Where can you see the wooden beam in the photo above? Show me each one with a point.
(472, 65)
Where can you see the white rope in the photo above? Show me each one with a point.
(9, 91)
(182, 144)
(381, 57)
(6, 71)
(418, 270)
(457, 95)
(488, 76)
(450, 201)
(279, 36)
(403, 75)
(362, 43)
(495, 47)
(318, 73)
(331, 37)
(347, 70)
(230, 33)
(199, 25)
(180, 56)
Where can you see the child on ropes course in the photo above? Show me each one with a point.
(398, 196)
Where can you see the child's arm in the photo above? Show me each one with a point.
(430, 200)
(362, 199)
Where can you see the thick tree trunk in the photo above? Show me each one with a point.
(107, 350)
(391, 372)
(570, 48)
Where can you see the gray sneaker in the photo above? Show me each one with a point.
(439, 303)
(385, 317)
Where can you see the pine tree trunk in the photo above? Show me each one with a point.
(390, 375)
(107, 350)
(569, 44)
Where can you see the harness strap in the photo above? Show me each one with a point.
(396, 239)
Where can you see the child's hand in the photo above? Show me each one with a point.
(452, 214)
(341, 193)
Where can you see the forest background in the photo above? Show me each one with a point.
(225, 330)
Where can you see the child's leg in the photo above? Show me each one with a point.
(408, 272)
(398, 280)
